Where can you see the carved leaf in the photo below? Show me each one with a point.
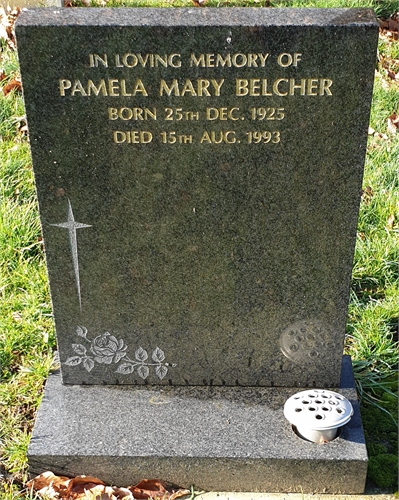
(88, 363)
(107, 360)
(121, 345)
(158, 355)
(73, 361)
(141, 354)
(125, 369)
(161, 371)
(118, 356)
(143, 371)
(79, 349)
(81, 331)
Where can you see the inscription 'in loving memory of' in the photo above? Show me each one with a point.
(199, 87)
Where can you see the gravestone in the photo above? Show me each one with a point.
(198, 173)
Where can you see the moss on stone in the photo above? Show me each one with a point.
(381, 434)
(383, 470)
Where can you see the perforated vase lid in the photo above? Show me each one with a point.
(318, 410)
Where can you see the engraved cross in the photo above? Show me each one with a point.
(72, 226)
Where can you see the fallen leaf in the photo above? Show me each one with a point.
(3, 24)
(8, 17)
(13, 85)
(367, 194)
(381, 136)
(199, 3)
(373, 133)
(148, 488)
(179, 494)
(21, 125)
(90, 491)
(154, 488)
(16, 316)
(91, 488)
(393, 123)
(77, 482)
(123, 493)
(389, 28)
(391, 221)
(392, 24)
(49, 484)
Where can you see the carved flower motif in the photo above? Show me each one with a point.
(107, 349)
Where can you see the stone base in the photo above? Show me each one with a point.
(215, 438)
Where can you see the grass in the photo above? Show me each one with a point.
(26, 328)
(27, 337)
(382, 7)
(374, 307)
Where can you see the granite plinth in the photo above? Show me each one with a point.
(219, 439)
(198, 173)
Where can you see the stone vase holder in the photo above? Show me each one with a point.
(318, 415)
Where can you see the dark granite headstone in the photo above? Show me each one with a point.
(198, 174)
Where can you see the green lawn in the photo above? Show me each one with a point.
(27, 337)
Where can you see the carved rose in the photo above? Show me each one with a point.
(107, 349)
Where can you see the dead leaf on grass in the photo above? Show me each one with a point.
(154, 488)
(391, 221)
(389, 68)
(79, 488)
(3, 24)
(389, 27)
(373, 133)
(179, 494)
(148, 488)
(91, 488)
(20, 122)
(8, 17)
(393, 123)
(393, 76)
(393, 24)
(49, 484)
(14, 84)
(16, 316)
(379, 135)
(388, 65)
(123, 493)
(367, 194)
(78, 484)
